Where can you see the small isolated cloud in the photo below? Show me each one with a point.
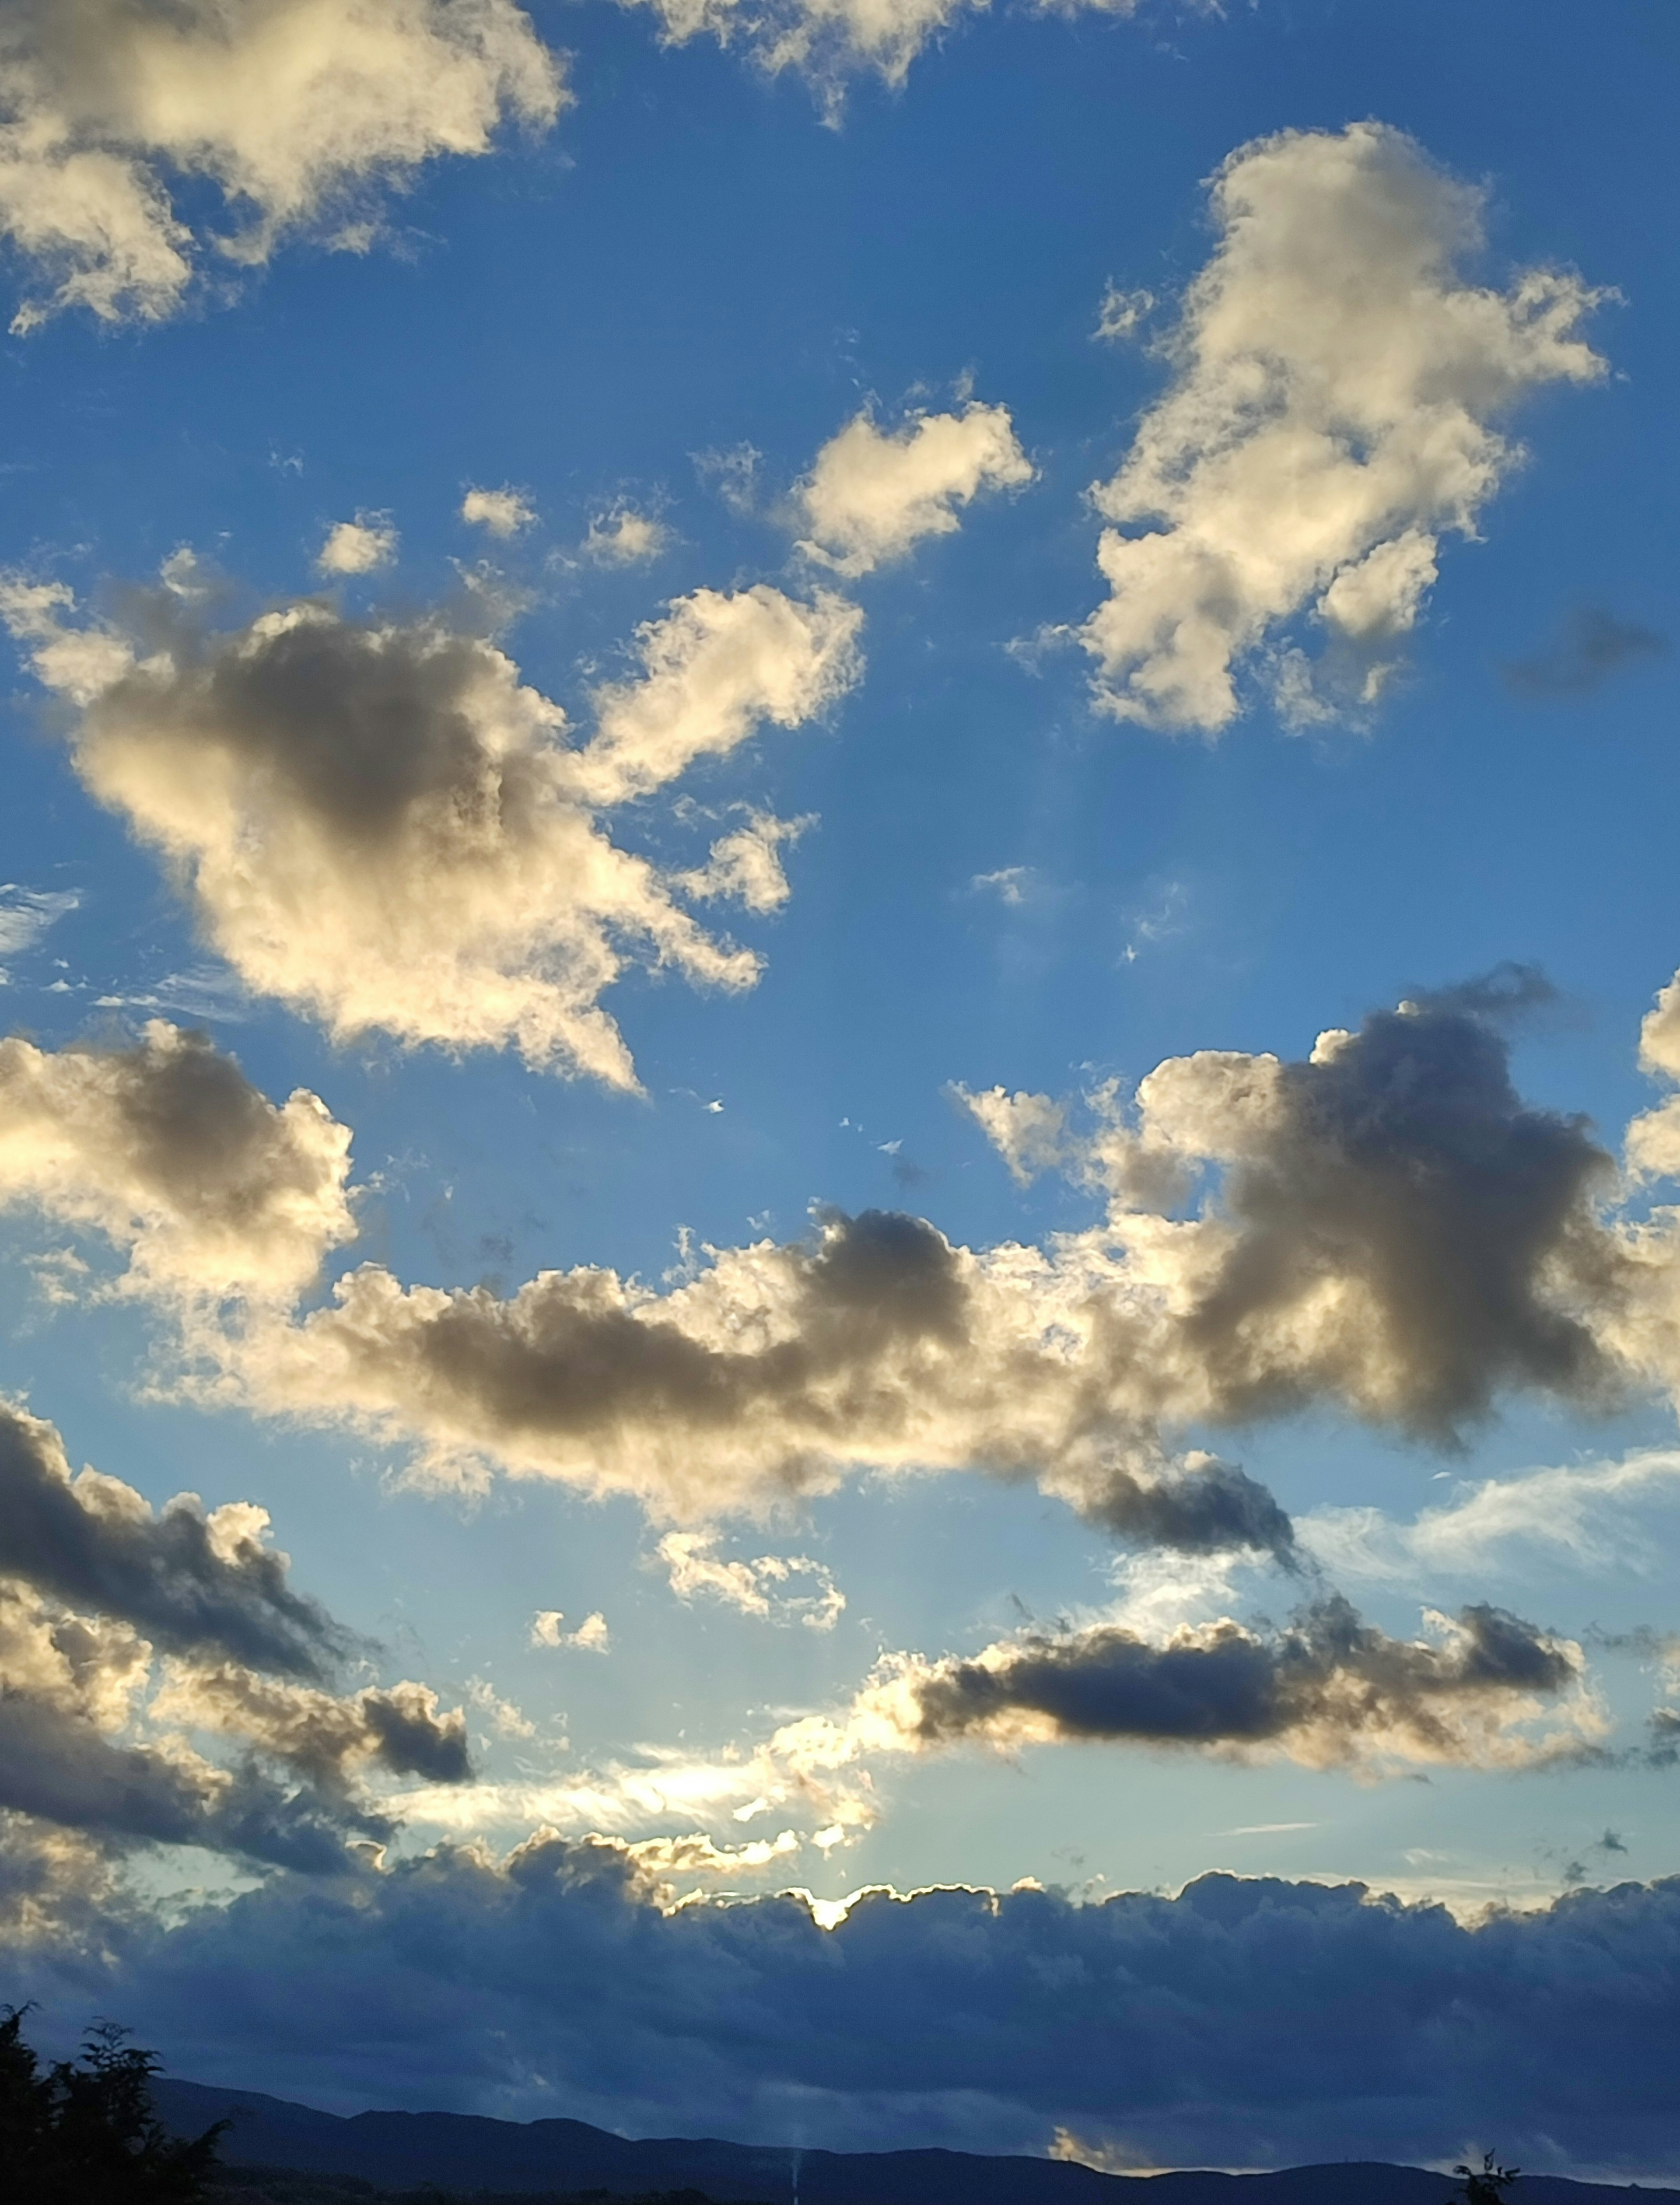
(873, 495)
(591, 1637)
(360, 546)
(1594, 645)
(1122, 314)
(95, 1740)
(298, 116)
(733, 473)
(777, 1588)
(381, 825)
(622, 536)
(1338, 382)
(503, 512)
(27, 913)
(1012, 885)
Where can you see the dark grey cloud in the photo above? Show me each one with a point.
(1329, 1683)
(57, 1766)
(1403, 1161)
(1594, 644)
(1211, 1508)
(1243, 2022)
(96, 1546)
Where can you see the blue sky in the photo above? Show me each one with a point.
(1274, 1472)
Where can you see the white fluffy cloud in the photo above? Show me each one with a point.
(591, 1637)
(503, 512)
(360, 546)
(622, 536)
(299, 112)
(828, 40)
(382, 826)
(1337, 385)
(872, 495)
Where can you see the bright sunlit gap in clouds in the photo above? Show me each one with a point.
(842, 1103)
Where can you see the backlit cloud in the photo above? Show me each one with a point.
(1338, 385)
(559, 1980)
(383, 827)
(300, 114)
(93, 1582)
(164, 1149)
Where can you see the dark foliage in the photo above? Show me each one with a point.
(1486, 2185)
(83, 2133)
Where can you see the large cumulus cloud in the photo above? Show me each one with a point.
(1385, 1227)
(295, 112)
(1245, 2024)
(1338, 385)
(381, 824)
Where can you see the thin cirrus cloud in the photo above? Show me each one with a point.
(301, 114)
(1337, 388)
(872, 495)
(457, 887)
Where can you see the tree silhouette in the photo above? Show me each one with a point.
(1485, 2185)
(83, 2133)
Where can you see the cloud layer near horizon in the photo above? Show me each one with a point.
(1338, 384)
(1143, 2028)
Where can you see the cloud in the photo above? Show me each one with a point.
(1385, 1228)
(27, 913)
(1327, 1690)
(164, 1147)
(1337, 387)
(202, 1583)
(622, 537)
(872, 496)
(360, 546)
(1122, 314)
(300, 114)
(1594, 645)
(591, 1637)
(1581, 1518)
(746, 865)
(1232, 2024)
(503, 512)
(382, 826)
(762, 1588)
(93, 1581)
(324, 1737)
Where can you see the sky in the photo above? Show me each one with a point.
(842, 1070)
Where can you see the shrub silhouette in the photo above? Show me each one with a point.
(83, 2133)
(1487, 2183)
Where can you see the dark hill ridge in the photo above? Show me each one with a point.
(466, 2151)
